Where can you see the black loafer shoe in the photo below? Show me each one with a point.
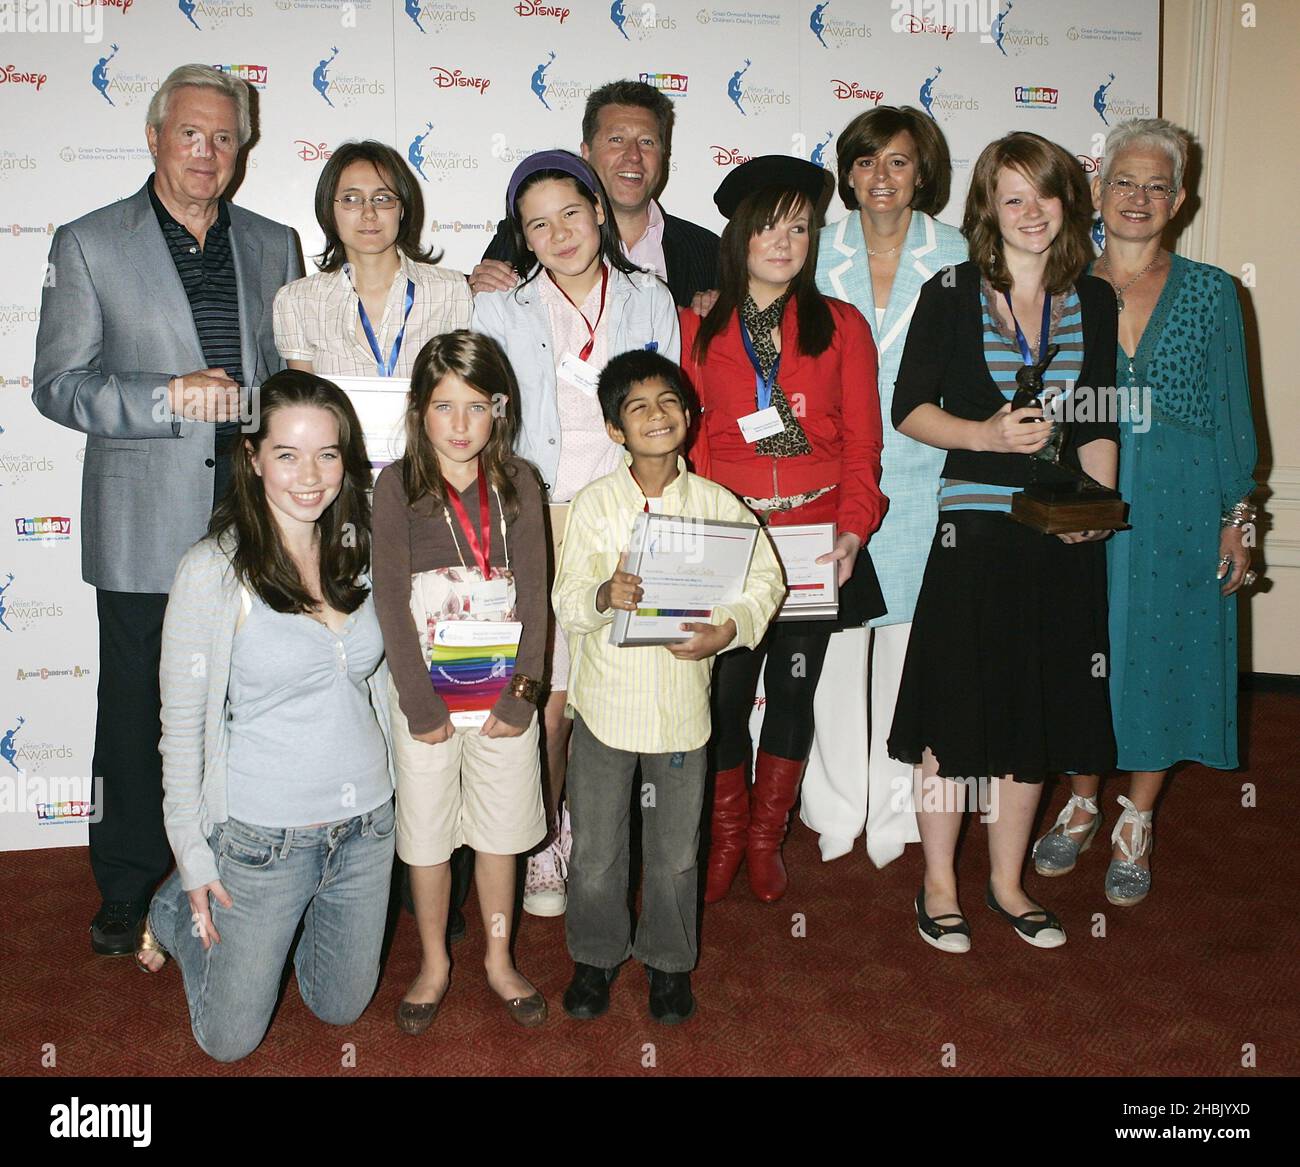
(671, 1001)
(587, 996)
(112, 931)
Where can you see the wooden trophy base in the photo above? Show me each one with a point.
(1070, 507)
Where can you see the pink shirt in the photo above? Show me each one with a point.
(648, 251)
(586, 452)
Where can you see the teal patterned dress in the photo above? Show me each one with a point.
(1184, 458)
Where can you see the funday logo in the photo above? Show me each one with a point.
(728, 156)
(255, 75)
(1037, 97)
(458, 79)
(43, 529)
(53, 800)
(672, 83)
(853, 91)
(13, 75)
(546, 11)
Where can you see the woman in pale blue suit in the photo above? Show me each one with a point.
(894, 171)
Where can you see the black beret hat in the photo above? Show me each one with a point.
(772, 170)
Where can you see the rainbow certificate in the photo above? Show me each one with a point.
(470, 663)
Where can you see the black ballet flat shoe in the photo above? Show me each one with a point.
(1039, 927)
(944, 937)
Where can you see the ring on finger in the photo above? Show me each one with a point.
(1249, 578)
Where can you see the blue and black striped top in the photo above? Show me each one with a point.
(1002, 356)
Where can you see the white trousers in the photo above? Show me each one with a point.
(851, 781)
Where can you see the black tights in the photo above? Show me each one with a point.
(794, 651)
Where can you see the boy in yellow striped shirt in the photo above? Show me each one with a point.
(644, 705)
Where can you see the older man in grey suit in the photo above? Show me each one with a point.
(173, 278)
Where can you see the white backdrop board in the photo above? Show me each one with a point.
(465, 90)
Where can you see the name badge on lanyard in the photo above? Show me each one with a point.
(488, 597)
(765, 420)
(386, 368)
(575, 369)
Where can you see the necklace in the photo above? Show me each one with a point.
(886, 251)
(1110, 277)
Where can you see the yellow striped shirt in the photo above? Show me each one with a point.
(644, 699)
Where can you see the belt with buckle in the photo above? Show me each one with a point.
(764, 507)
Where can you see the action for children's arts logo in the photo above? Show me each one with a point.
(118, 88)
(837, 32)
(16, 230)
(553, 92)
(751, 99)
(673, 84)
(545, 11)
(18, 611)
(1037, 97)
(643, 20)
(444, 78)
(946, 101)
(434, 165)
(255, 75)
(342, 89)
(203, 15)
(43, 529)
(1108, 106)
(435, 17)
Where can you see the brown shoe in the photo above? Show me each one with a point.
(415, 1018)
(530, 1012)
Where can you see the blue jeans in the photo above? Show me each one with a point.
(333, 879)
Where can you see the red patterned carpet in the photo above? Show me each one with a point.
(1175, 986)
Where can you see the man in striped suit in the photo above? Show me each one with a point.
(626, 134)
(173, 278)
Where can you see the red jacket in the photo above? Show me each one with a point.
(840, 415)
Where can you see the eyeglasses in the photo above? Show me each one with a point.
(1126, 189)
(381, 202)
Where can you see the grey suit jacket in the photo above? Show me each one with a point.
(115, 326)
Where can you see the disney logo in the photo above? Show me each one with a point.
(312, 151)
(916, 24)
(728, 156)
(851, 90)
(11, 73)
(1090, 164)
(535, 8)
(458, 79)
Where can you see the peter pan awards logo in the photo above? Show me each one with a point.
(553, 91)
(342, 89)
(434, 165)
(255, 75)
(818, 155)
(639, 21)
(835, 32)
(203, 15)
(1110, 106)
(12, 163)
(1014, 40)
(19, 610)
(15, 316)
(945, 101)
(458, 79)
(541, 9)
(121, 89)
(16, 467)
(21, 755)
(436, 17)
(752, 99)
(43, 529)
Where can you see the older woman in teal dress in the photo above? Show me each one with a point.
(1187, 457)
(894, 172)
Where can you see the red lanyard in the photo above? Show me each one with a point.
(484, 553)
(591, 328)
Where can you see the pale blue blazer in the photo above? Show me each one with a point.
(910, 470)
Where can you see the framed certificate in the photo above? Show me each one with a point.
(814, 592)
(687, 566)
(380, 403)
(470, 664)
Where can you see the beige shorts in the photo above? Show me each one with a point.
(481, 791)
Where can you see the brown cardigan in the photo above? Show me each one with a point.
(408, 540)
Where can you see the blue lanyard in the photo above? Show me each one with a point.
(386, 370)
(762, 385)
(1025, 354)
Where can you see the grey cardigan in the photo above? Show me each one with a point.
(198, 636)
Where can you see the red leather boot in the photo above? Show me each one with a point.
(776, 785)
(730, 831)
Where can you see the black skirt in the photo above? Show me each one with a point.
(1008, 662)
